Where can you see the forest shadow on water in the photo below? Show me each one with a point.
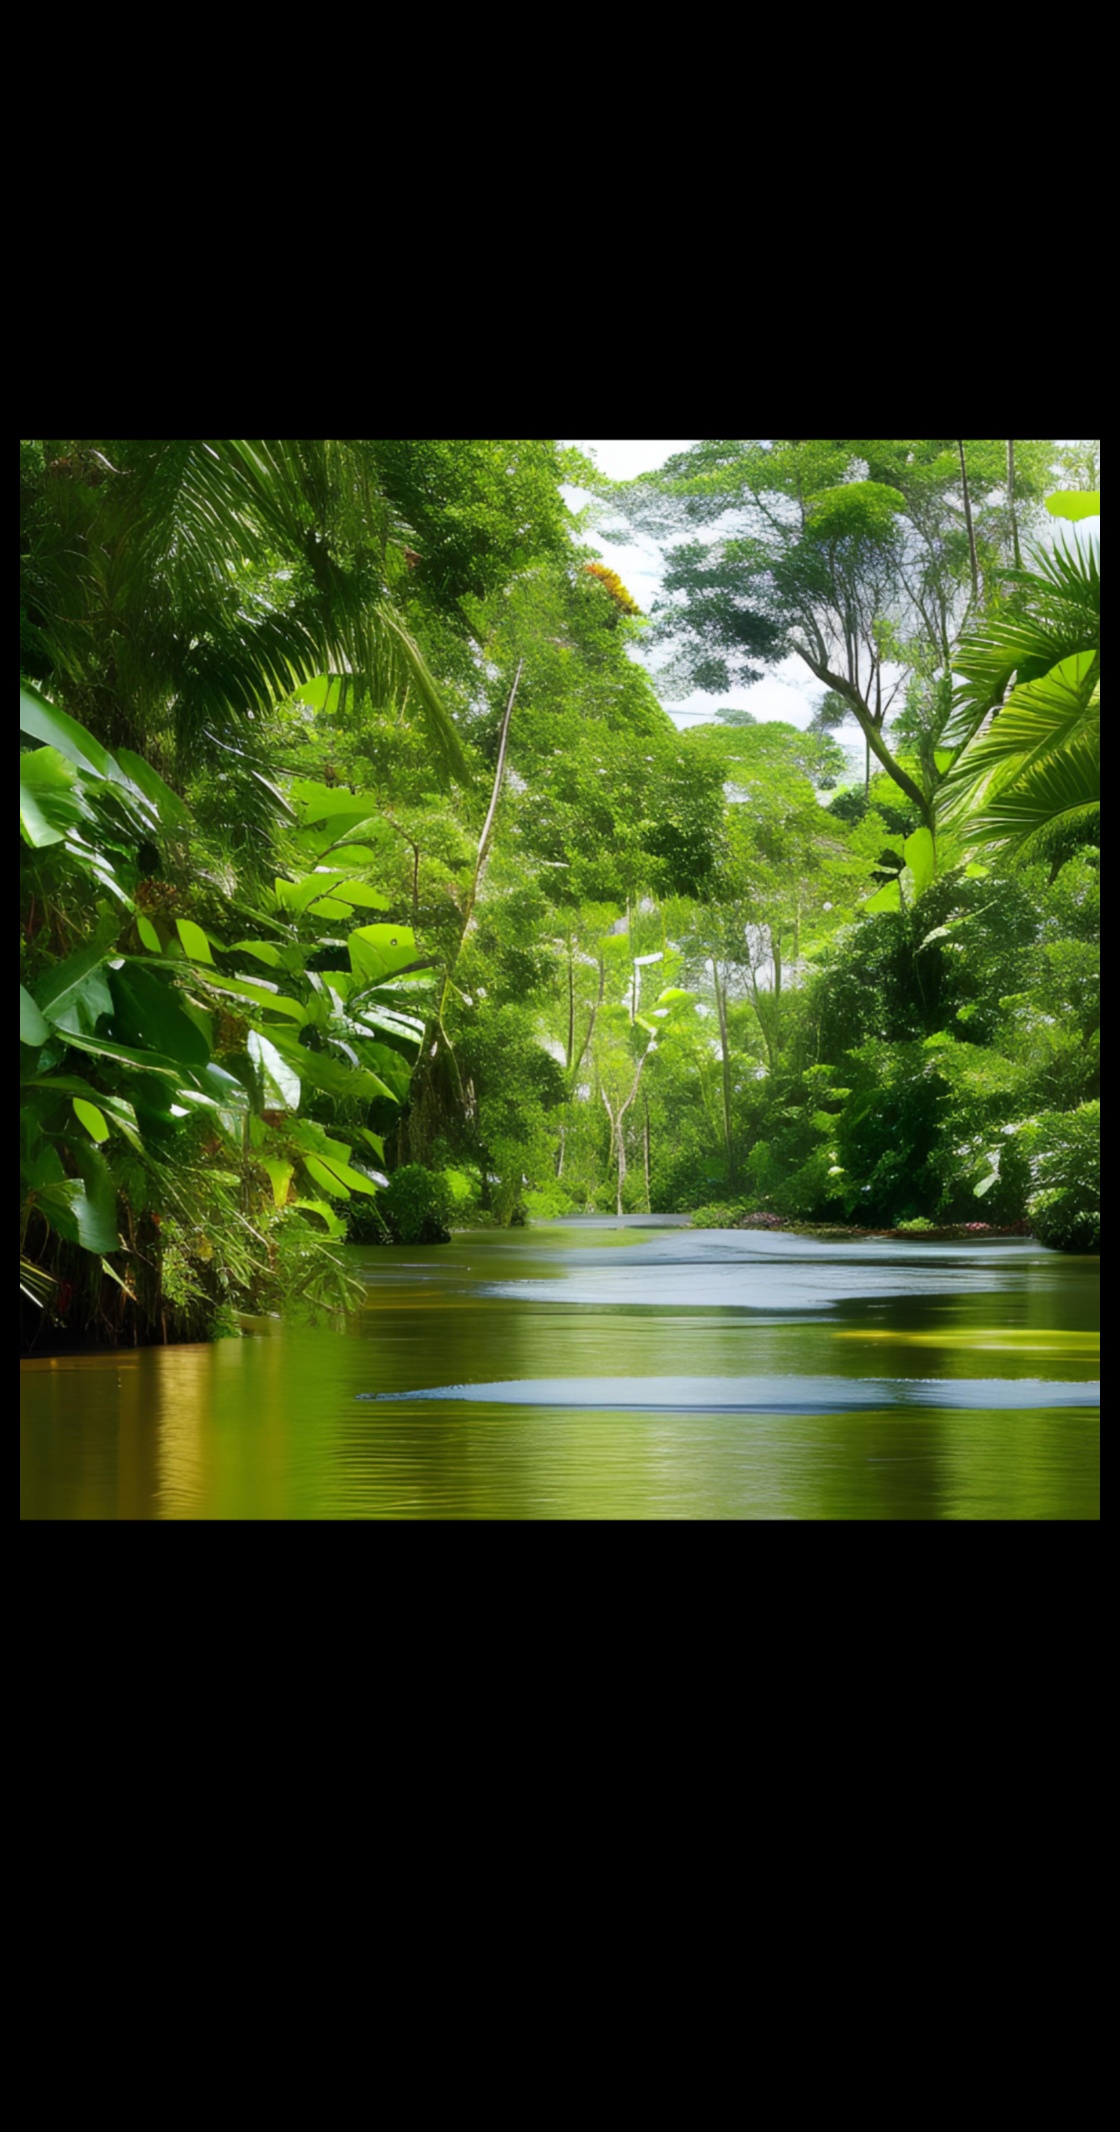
(598, 1369)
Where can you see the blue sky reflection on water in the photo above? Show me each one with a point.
(763, 1395)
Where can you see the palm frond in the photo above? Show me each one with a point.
(1063, 619)
(1036, 772)
(1038, 811)
(205, 579)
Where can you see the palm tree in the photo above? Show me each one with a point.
(1027, 710)
(176, 589)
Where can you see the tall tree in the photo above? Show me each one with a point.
(858, 557)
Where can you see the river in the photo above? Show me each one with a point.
(602, 1368)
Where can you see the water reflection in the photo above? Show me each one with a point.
(592, 1370)
(758, 1395)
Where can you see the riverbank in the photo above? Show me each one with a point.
(968, 1232)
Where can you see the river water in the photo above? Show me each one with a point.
(601, 1368)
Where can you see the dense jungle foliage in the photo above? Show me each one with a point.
(367, 889)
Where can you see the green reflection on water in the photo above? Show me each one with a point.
(273, 1427)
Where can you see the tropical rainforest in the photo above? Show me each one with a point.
(368, 888)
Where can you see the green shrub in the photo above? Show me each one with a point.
(549, 1202)
(1064, 1148)
(414, 1208)
(717, 1217)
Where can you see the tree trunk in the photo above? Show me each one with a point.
(616, 1134)
(872, 736)
(591, 1023)
(1018, 560)
(617, 1125)
(725, 1062)
(968, 523)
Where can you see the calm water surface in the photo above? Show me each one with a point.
(606, 1369)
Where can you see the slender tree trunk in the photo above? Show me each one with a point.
(618, 1137)
(871, 733)
(968, 523)
(725, 1063)
(764, 1004)
(1018, 560)
(476, 882)
(571, 1007)
(487, 833)
(649, 1202)
(591, 1023)
(616, 1134)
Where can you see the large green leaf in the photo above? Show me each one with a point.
(408, 1026)
(92, 1117)
(332, 1222)
(331, 892)
(388, 1064)
(36, 825)
(348, 850)
(359, 894)
(147, 1012)
(319, 1070)
(1042, 754)
(114, 1109)
(67, 980)
(50, 797)
(96, 1210)
(167, 805)
(280, 1175)
(1053, 795)
(103, 1047)
(256, 993)
(195, 941)
(338, 1178)
(280, 1082)
(40, 1162)
(43, 721)
(288, 958)
(33, 1029)
(94, 862)
(1031, 775)
(321, 803)
(380, 951)
(920, 858)
(884, 899)
(1061, 615)
(297, 896)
